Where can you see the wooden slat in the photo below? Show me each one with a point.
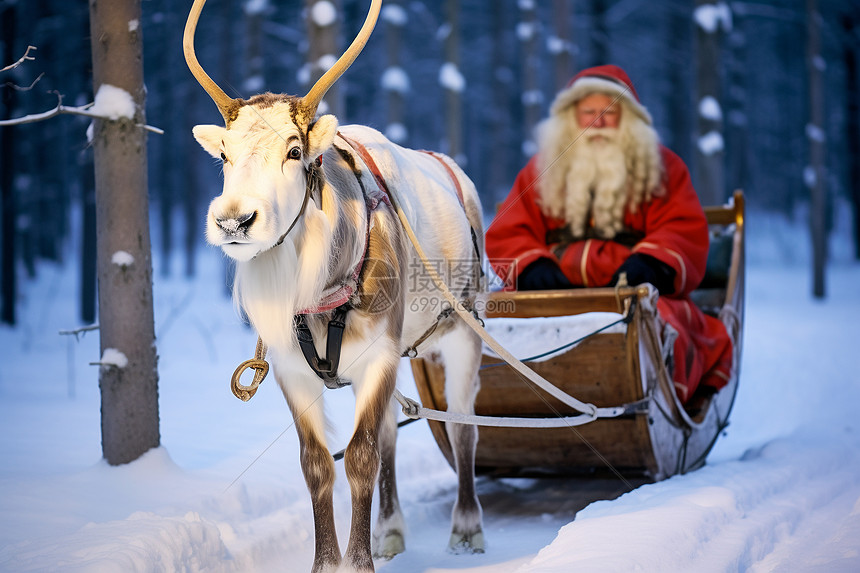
(622, 443)
(529, 304)
(596, 371)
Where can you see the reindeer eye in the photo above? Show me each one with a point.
(294, 153)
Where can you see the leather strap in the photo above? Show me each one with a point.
(325, 368)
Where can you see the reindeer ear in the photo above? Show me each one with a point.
(210, 137)
(321, 135)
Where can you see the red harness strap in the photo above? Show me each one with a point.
(362, 152)
(451, 174)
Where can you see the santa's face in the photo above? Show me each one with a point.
(598, 114)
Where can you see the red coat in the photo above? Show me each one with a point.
(673, 229)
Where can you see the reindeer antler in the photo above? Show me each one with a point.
(226, 105)
(312, 100)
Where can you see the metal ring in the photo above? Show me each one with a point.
(245, 393)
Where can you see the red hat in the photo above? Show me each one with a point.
(610, 80)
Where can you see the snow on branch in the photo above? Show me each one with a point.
(24, 58)
(112, 358)
(710, 17)
(84, 110)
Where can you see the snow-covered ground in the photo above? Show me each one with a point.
(780, 492)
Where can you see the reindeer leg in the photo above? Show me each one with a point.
(361, 458)
(461, 355)
(318, 469)
(388, 535)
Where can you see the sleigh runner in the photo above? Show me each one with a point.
(623, 367)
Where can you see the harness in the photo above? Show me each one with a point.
(339, 299)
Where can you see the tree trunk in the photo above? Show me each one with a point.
(563, 50)
(504, 118)
(323, 29)
(600, 33)
(454, 84)
(254, 81)
(737, 124)
(852, 124)
(532, 96)
(710, 180)
(815, 138)
(129, 384)
(395, 79)
(680, 98)
(8, 210)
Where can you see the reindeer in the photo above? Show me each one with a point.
(320, 257)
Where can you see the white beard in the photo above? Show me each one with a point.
(591, 176)
(596, 184)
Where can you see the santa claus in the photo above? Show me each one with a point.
(603, 197)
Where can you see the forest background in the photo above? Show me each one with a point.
(761, 96)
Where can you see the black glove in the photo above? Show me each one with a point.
(543, 274)
(646, 269)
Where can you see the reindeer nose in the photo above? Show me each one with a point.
(238, 224)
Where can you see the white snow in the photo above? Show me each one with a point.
(529, 337)
(815, 133)
(326, 61)
(556, 45)
(526, 4)
(819, 62)
(255, 7)
(529, 147)
(532, 97)
(303, 75)
(450, 77)
(709, 108)
(710, 16)
(113, 357)
(323, 13)
(133, 25)
(711, 143)
(394, 15)
(224, 492)
(396, 132)
(253, 84)
(443, 32)
(395, 79)
(810, 178)
(122, 258)
(113, 102)
(526, 31)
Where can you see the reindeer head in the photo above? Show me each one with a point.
(269, 146)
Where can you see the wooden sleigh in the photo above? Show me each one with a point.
(656, 437)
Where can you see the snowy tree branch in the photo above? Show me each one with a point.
(25, 57)
(69, 110)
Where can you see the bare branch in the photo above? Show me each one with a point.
(69, 110)
(28, 88)
(78, 333)
(24, 58)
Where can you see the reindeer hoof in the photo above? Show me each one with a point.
(466, 543)
(389, 546)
